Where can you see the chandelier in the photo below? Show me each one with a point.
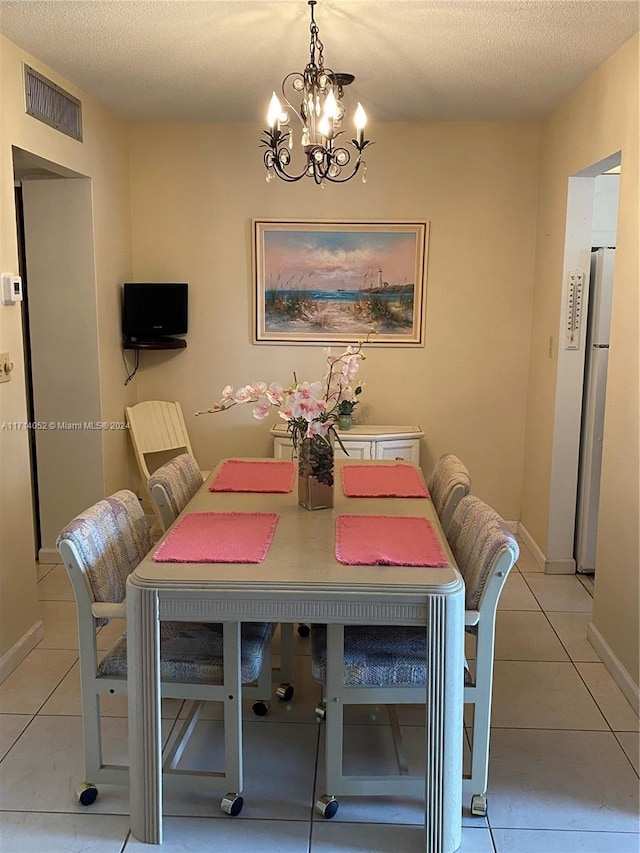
(319, 92)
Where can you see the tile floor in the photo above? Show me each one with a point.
(563, 769)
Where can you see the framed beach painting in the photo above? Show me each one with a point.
(326, 282)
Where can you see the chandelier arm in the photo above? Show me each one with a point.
(275, 143)
(356, 166)
(287, 178)
(352, 174)
(294, 75)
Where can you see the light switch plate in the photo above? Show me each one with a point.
(11, 288)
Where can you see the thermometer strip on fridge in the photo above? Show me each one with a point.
(574, 309)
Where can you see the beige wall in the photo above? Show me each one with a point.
(598, 119)
(195, 189)
(103, 157)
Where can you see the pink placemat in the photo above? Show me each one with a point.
(388, 540)
(239, 475)
(219, 537)
(382, 481)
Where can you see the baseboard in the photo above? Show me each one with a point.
(619, 674)
(513, 526)
(532, 545)
(21, 649)
(49, 556)
(564, 566)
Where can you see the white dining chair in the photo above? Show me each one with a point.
(99, 549)
(381, 665)
(171, 488)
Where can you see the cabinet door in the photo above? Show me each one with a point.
(399, 448)
(355, 449)
(282, 448)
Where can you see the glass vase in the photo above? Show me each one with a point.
(315, 473)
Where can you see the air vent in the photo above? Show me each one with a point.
(51, 104)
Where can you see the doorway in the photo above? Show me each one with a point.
(60, 339)
(603, 243)
(581, 202)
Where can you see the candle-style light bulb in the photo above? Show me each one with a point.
(323, 126)
(360, 119)
(331, 105)
(275, 110)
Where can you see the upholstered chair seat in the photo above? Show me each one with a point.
(192, 652)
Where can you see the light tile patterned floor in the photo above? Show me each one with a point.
(563, 770)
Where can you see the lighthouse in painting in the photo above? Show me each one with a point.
(382, 285)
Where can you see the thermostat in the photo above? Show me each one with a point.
(11, 288)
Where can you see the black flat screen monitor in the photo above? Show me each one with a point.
(154, 311)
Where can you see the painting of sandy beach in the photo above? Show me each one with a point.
(336, 282)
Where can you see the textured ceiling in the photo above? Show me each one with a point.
(218, 60)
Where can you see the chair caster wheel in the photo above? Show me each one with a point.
(232, 804)
(86, 794)
(304, 630)
(284, 692)
(479, 805)
(261, 707)
(327, 806)
(321, 711)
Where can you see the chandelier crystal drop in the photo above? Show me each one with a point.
(318, 93)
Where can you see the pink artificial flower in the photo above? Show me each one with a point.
(308, 390)
(351, 364)
(348, 393)
(258, 389)
(274, 394)
(243, 395)
(311, 406)
(319, 428)
(261, 410)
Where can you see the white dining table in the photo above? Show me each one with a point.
(300, 580)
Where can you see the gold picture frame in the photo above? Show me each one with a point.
(333, 282)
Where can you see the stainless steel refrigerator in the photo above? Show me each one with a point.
(595, 384)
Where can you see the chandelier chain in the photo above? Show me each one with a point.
(316, 45)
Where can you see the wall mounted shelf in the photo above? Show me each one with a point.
(167, 343)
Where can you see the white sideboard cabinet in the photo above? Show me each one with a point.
(362, 441)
